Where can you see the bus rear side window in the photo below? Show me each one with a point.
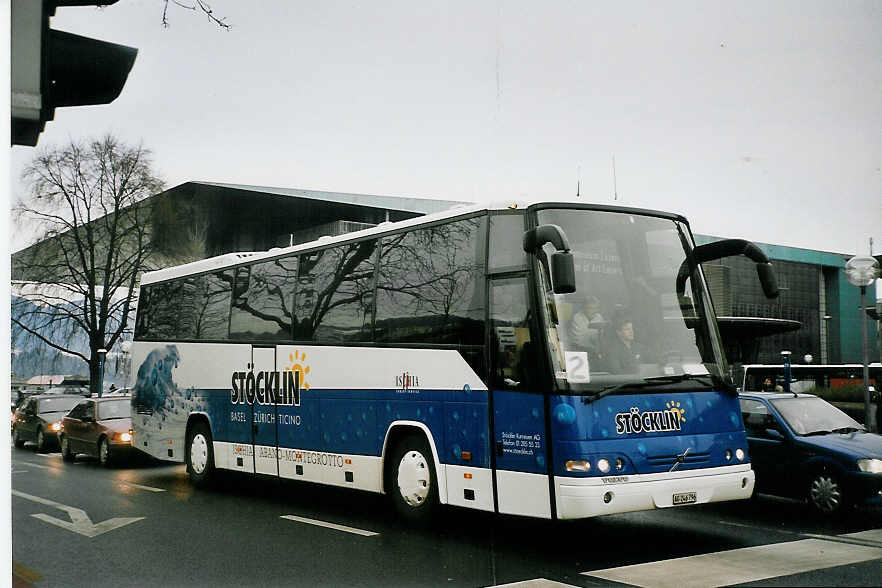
(335, 294)
(261, 308)
(430, 288)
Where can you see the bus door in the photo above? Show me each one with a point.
(519, 442)
(264, 434)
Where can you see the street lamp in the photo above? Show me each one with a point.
(102, 354)
(786, 357)
(860, 271)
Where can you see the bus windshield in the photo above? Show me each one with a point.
(625, 326)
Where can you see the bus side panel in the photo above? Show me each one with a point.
(172, 382)
(520, 445)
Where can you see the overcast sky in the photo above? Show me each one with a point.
(755, 119)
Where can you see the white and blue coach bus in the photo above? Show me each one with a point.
(449, 359)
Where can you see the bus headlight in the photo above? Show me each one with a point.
(739, 453)
(603, 465)
(55, 427)
(872, 466)
(728, 455)
(578, 465)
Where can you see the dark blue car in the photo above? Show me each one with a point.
(803, 447)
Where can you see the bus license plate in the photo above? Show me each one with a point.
(685, 498)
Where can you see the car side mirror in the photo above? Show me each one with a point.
(774, 434)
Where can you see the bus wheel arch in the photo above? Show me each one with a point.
(410, 475)
(199, 451)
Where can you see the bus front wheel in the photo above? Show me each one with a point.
(200, 455)
(410, 479)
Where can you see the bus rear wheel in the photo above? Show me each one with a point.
(200, 455)
(411, 481)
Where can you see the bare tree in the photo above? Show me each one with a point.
(197, 5)
(79, 281)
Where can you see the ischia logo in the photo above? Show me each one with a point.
(265, 387)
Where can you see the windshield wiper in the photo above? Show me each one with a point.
(706, 379)
(649, 382)
(849, 430)
(818, 432)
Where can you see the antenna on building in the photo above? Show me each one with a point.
(615, 187)
(578, 181)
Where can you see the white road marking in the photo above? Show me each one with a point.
(33, 465)
(535, 583)
(79, 520)
(140, 487)
(318, 523)
(749, 564)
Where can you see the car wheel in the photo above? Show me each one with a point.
(410, 479)
(200, 455)
(826, 494)
(104, 456)
(41, 440)
(16, 438)
(66, 453)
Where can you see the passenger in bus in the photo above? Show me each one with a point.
(586, 327)
(622, 354)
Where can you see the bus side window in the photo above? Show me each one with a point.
(514, 365)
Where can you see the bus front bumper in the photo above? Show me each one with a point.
(589, 497)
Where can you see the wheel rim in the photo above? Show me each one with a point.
(826, 494)
(15, 436)
(198, 453)
(414, 478)
(103, 451)
(40, 438)
(64, 447)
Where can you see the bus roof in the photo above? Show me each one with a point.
(233, 259)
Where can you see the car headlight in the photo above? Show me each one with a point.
(873, 466)
(55, 427)
(124, 437)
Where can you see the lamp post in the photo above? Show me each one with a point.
(860, 271)
(102, 354)
(786, 356)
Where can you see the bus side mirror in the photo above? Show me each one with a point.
(563, 271)
(729, 248)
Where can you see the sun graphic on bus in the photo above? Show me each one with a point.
(679, 413)
(297, 362)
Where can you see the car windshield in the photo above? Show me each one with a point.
(115, 409)
(57, 404)
(626, 326)
(810, 415)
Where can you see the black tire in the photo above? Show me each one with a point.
(66, 453)
(41, 440)
(826, 494)
(410, 479)
(105, 457)
(200, 456)
(16, 438)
